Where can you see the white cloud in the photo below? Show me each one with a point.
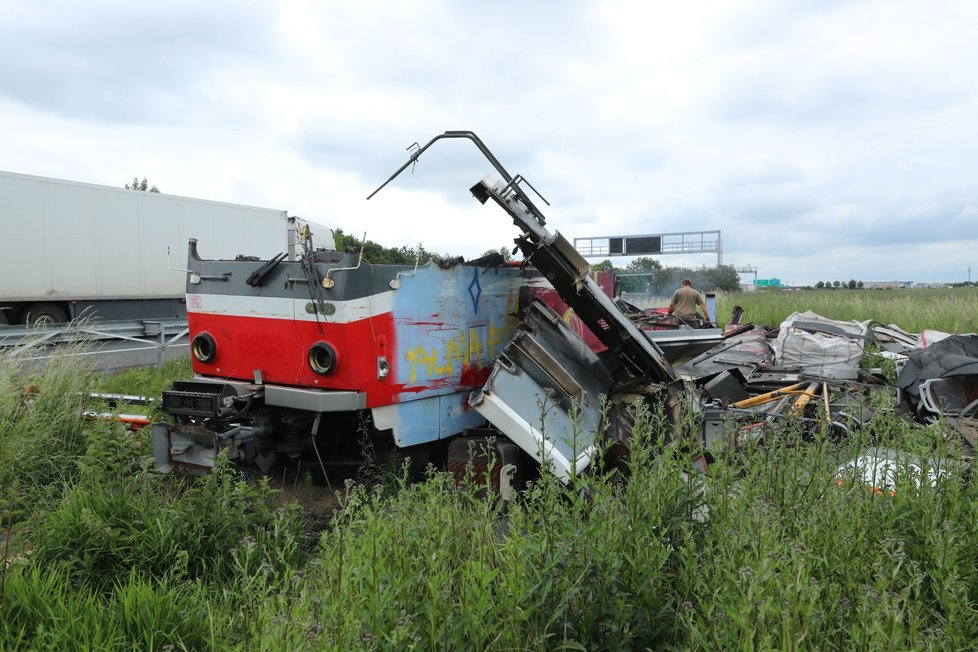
(826, 139)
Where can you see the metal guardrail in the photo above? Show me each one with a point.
(27, 338)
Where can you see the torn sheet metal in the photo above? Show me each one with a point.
(745, 352)
(544, 393)
(821, 347)
(929, 336)
(683, 344)
(894, 339)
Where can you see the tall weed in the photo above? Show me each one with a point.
(102, 530)
(41, 435)
(42, 609)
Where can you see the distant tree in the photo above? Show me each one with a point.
(642, 275)
(141, 185)
(377, 253)
(505, 252)
(836, 284)
(723, 277)
(665, 280)
(644, 264)
(605, 264)
(852, 284)
(820, 285)
(859, 284)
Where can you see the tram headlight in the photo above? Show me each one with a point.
(204, 348)
(322, 358)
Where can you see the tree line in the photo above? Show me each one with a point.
(642, 275)
(379, 254)
(852, 284)
(647, 275)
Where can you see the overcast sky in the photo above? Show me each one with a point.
(826, 140)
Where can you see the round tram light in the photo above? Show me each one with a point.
(204, 348)
(322, 358)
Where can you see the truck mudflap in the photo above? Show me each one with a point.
(546, 393)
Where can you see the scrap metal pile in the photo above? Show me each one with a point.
(808, 369)
(545, 390)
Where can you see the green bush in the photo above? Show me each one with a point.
(101, 531)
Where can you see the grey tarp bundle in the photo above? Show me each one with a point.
(820, 346)
(955, 356)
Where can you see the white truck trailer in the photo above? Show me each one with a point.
(68, 248)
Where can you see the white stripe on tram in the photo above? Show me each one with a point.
(290, 308)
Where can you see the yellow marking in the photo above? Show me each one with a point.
(474, 347)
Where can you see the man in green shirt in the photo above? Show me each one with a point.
(684, 302)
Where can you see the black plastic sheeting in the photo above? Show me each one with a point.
(955, 356)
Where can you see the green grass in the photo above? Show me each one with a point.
(954, 310)
(788, 558)
(108, 555)
(145, 381)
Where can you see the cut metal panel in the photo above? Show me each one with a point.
(548, 367)
(684, 344)
(428, 419)
(570, 255)
(545, 393)
(562, 456)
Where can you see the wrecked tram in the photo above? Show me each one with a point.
(315, 358)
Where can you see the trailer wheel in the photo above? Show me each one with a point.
(42, 314)
(3, 318)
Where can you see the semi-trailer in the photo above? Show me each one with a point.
(70, 249)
